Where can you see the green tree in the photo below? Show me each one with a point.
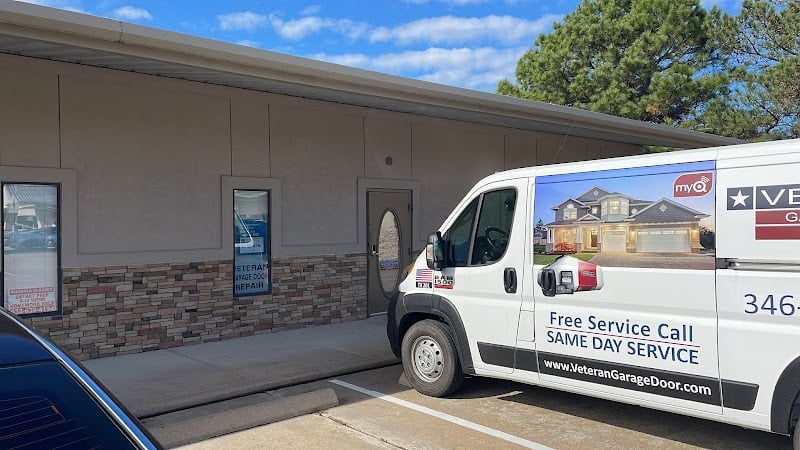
(708, 238)
(764, 44)
(641, 59)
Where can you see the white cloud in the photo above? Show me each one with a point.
(293, 30)
(132, 13)
(474, 68)
(457, 30)
(503, 40)
(299, 28)
(311, 10)
(447, 30)
(246, 20)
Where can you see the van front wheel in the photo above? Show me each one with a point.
(430, 360)
(796, 436)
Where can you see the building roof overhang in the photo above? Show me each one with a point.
(47, 33)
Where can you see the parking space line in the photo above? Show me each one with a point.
(452, 419)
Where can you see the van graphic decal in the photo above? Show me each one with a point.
(646, 217)
(424, 278)
(693, 184)
(441, 281)
(777, 209)
(568, 275)
(685, 386)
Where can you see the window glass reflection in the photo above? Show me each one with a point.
(30, 248)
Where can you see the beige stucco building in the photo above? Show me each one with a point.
(146, 141)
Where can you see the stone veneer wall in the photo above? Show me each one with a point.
(119, 310)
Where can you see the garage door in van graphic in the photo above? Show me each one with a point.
(649, 217)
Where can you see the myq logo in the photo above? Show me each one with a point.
(693, 184)
(777, 209)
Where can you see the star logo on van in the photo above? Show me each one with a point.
(740, 198)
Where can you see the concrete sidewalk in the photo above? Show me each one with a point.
(162, 381)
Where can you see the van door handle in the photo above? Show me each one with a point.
(510, 280)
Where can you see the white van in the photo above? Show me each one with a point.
(668, 280)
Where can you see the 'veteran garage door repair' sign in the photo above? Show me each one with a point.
(777, 209)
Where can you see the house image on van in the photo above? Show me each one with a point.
(603, 221)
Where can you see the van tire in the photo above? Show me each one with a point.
(430, 359)
(796, 436)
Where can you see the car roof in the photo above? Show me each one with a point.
(18, 345)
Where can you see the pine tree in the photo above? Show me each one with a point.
(641, 59)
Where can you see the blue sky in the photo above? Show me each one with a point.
(466, 43)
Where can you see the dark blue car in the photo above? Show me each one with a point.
(48, 401)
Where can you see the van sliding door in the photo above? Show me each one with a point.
(625, 296)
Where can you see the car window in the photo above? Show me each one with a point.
(42, 406)
(494, 226)
(459, 235)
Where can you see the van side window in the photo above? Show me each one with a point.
(494, 226)
(486, 243)
(460, 235)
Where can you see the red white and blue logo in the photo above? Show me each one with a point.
(777, 209)
(424, 278)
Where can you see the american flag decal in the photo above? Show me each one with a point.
(424, 278)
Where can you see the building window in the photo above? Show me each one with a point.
(613, 207)
(570, 212)
(251, 239)
(31, 255)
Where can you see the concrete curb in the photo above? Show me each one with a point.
(245, 388)
(239, 414)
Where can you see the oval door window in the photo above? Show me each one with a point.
(388, 251)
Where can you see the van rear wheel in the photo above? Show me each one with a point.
(430, 359)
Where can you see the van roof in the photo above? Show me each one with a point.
(724, 153)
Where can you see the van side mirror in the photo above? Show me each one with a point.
(434, 251)
(547, 280)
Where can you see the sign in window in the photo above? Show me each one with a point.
(31, 248)
(252, 261)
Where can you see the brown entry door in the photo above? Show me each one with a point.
(388, 244)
